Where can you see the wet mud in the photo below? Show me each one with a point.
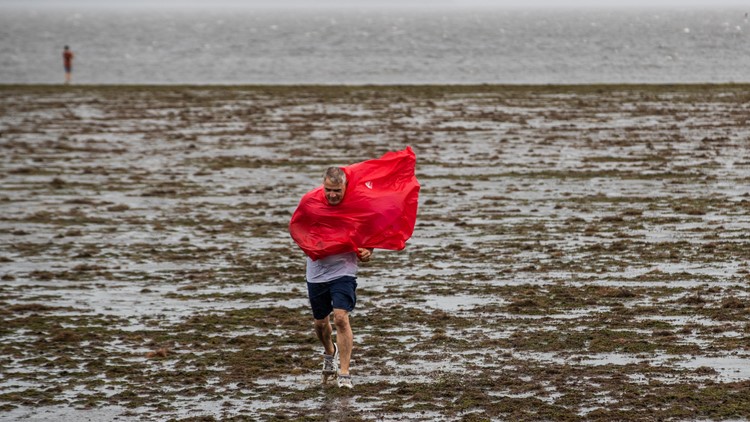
(581, 253)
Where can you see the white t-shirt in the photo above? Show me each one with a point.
(331, 267)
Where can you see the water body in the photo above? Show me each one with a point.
(377, 47)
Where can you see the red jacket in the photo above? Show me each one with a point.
(379, 209)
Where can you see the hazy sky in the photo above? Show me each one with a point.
(428, 4)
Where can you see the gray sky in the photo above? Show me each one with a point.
(353, 4)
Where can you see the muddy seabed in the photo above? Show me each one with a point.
(580, 253)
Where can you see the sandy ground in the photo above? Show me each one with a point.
(580, 253)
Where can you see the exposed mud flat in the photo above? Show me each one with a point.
(580, 252)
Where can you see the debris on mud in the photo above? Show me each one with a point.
(580, 252)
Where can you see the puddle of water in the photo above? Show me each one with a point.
(64, 413)
(729, 368)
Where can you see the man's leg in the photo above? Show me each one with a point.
(344, 338)
(323, 331)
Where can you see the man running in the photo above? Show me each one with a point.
(366, 205)
(331, 287)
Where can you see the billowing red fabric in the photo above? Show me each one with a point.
(379, 209)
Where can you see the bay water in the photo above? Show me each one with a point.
(376, 46)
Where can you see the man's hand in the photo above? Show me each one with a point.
(364, 254)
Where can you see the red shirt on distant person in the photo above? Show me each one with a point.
(68, 63)
(68, 59)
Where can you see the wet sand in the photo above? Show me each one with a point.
(580, 253)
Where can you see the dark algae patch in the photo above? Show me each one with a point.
(581, 253)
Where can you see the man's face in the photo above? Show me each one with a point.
(334, 192)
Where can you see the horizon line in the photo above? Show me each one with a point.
(229, 5)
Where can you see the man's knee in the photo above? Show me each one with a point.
(321, 323)
(340, 318)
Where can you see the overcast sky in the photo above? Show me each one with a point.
(342, 4)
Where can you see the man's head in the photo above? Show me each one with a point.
(334, 185)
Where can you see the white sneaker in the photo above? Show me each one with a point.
(345, 381)
(331, 363)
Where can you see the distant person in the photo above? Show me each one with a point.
(68, 63)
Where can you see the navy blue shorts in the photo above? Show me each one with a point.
(340, 293)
